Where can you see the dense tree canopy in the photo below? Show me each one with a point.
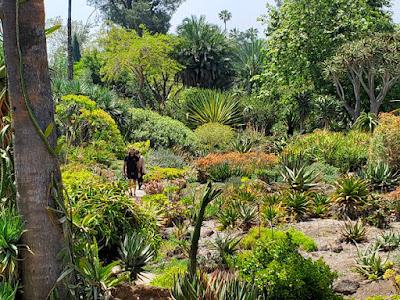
(154, 14)
(145, 60)
(205, 53)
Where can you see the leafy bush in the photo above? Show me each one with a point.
(158, 173)
(385, 142)
(164, 158)
(350, 195)
(327, 173)
(277, 268)
(215, 136)
(343, 151)
(267, 235)
(162, 131)
(142, 147)
(168, 272)
(75, 176)
(244, 163)
(209, 106)
(80, 122)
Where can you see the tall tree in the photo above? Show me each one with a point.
(206, 54)
(302, 34)
(372, 65)
(76, 49)
(225, 15)
(155, 15)
(36, 167)
(69, 42)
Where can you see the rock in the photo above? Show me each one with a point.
(346, 287)
(337, 248)
(324, 248)
(209, 233)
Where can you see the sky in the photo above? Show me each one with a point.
(244, 13)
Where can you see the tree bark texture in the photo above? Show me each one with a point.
(35, 166)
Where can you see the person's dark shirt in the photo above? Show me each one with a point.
(131, 164)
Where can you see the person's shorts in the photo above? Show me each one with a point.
(132, 176)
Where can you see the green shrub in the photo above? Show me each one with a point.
(343, 151)
(162, 131)
(164, 158)
(277, 268)
(385, 142)
(95, 152)
(167, 273)
(158, 173)
(142, 147)
(75, 176)
(215, 136)
(81, 122)
(327, 173)
(267, 235)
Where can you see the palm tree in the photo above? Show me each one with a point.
(36, 167)
(249, 62)
(205, 52)
(225, 16)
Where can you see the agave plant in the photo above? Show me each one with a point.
(136, 252)
(380, 176)
(11, 230)
(319, 205)
(351, 193)
(8, 291)
(353, 232)
(209, 106)
(369, 263)
(297, 204)
(226, 246)
(228, 216)
(97, 278)
(300, 179)
(247, 216)
(243, 144)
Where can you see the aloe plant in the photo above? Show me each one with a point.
(380, 176)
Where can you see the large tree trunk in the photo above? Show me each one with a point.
(69, 43)
(34, 164)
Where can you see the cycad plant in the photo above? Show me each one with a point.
(11, 230)
(209, 106)
(135, 253)
(351, 193)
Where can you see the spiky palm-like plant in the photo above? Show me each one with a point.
(209, 106)
(350, 194)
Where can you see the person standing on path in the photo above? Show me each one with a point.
(130, 171)
(141, 169)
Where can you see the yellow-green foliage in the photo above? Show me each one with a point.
(346, 151)
(215, 136)
(160, 200)
(166, 275)
(82, 123)
(385, 143)
(158, 173)
(266, 235)
(142, 147)
(75, 175)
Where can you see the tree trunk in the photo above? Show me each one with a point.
(35, 166)
(69, 42)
